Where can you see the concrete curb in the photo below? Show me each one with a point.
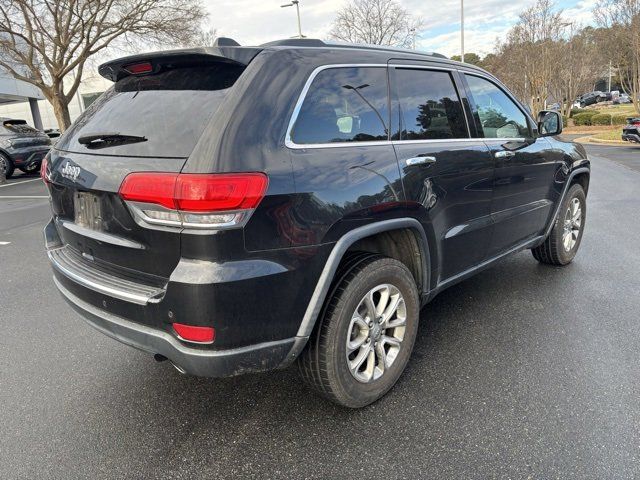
(591, 139)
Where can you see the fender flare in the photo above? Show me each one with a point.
(567, 184)
(335, 257)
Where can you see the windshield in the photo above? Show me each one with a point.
(170, 109)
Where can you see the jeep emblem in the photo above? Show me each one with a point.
(72, 172)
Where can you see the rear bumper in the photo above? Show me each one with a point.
(27, 156)
(631, 136)
(194, 361)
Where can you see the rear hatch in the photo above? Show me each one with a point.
(22, 135)
(149, 121)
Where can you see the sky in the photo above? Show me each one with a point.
(252, 22)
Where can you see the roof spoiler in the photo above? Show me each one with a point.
(12, 121)
(225, 50)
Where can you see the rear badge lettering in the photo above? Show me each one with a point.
(72, 172)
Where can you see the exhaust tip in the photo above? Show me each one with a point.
(178, 368)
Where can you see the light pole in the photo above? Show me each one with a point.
(296, 3)
(412, 31)
(462, 31)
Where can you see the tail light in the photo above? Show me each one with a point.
(224, 200)
(43, 169)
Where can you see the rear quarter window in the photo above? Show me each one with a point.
(170, 109)
(345, 104)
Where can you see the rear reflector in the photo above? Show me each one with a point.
(194, 200)
(192, 333)
(139, 68)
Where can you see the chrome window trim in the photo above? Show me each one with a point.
(457, 140)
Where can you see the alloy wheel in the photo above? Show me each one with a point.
(572, 224)
(376, 332)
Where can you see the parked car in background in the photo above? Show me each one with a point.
(631, 131)
(21, 146)
(235, 209)
(588, 99)
(53, 134)
(623, 98)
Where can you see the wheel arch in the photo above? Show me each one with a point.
(583, 179)
(580, 174)
(385, 237)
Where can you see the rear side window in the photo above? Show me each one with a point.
(170, 109)
(498, 115)
(429, 106)
(347, 104)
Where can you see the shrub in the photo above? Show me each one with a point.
(575, 111)
(619, 119)
(601, 119)
(582, 119)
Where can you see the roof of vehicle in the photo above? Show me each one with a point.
(230, 51)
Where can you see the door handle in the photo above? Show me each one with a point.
(420, 161)
(504, 154)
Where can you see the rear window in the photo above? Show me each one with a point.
(19, 129)
(170, 109)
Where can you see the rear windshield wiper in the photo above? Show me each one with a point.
(108, 139)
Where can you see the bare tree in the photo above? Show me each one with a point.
(205, 37)
(43, 41)
(376, 22)
(544, 56)
(620, 35)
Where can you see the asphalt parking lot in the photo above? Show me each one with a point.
(523, 371)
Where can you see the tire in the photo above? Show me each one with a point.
(34, 169)
(7, 165)
(554, 250)
(324, 366)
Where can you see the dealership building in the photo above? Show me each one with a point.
(16, 94)
(21, 100)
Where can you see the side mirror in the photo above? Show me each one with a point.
(549, 123)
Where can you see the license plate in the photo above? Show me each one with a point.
(88, 211)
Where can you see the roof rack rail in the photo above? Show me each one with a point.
(366, 46)
(295, 42)
(314, 42)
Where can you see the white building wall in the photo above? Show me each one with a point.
(92, 83)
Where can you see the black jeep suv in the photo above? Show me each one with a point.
(235, 209)
(21, 146)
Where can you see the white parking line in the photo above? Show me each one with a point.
(5, 243)
(18, 183)
(14, 197)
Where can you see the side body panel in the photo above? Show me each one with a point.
(452, 188)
